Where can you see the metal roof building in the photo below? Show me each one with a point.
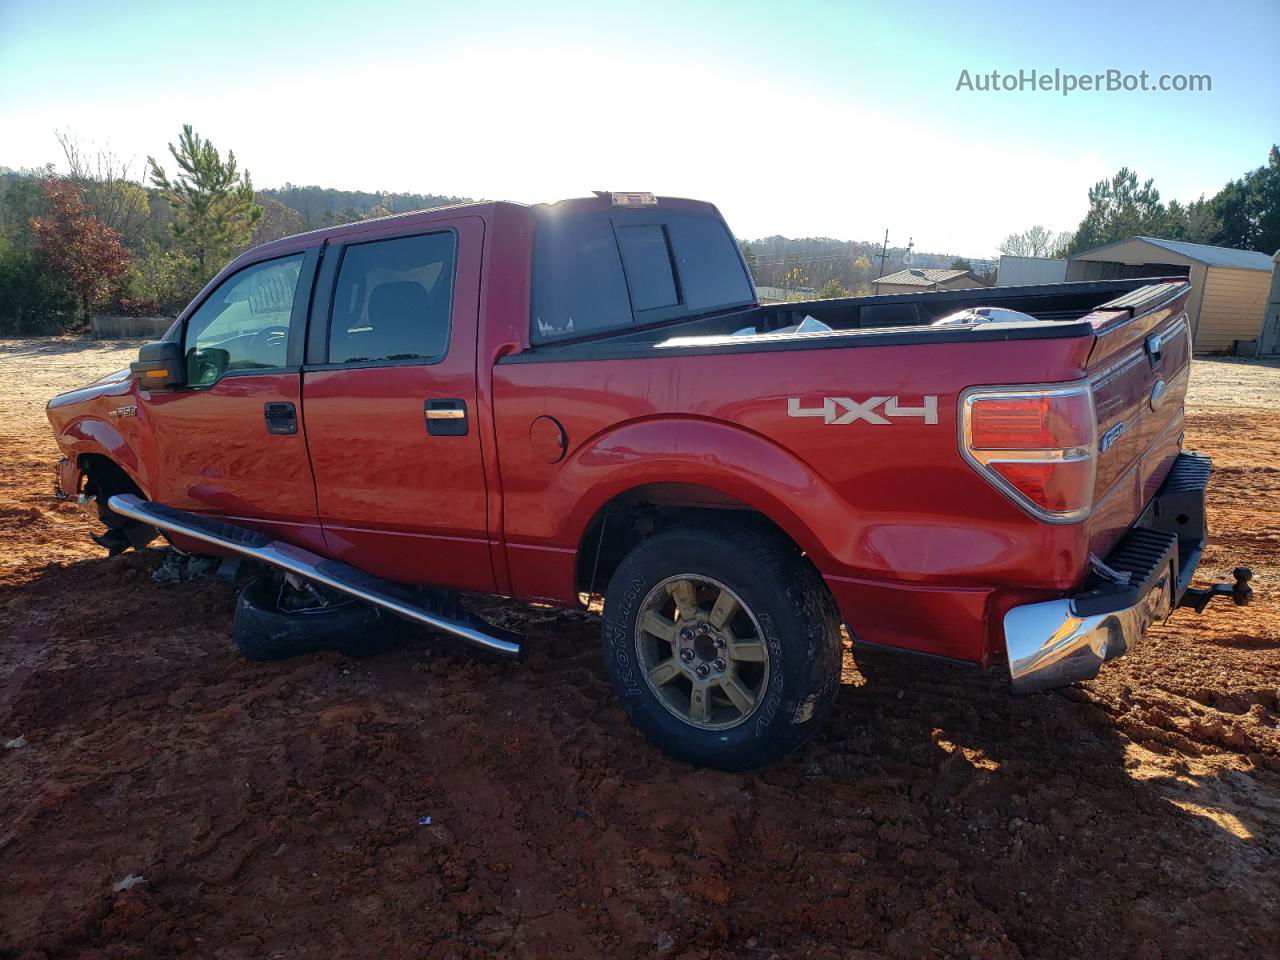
(1017, 271)
(1269, 342)
(917, 281)
(1229, 287)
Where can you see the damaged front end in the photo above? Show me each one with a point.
(66, 479)
(92, 483)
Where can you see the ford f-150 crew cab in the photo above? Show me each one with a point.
(551, 402)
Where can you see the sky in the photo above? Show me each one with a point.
(800, 118)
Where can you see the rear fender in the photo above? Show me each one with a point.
(721, 457)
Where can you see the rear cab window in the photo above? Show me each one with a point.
(597, 271)
(578, 286)
(646, 257)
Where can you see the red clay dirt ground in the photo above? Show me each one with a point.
(273, 810)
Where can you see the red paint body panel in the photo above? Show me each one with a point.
(944, 621)
(892, 503)
(84, 422)
(218, 456)
(392, 499)
(1123, 376)
(919, 549)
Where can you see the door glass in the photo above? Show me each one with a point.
(393, 300)
(244, 324)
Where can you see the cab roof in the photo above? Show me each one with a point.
(598, 203)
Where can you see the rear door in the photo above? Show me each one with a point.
(390, 397)
(1139, 369)
(230, 442)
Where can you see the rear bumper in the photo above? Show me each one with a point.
(1058, 642)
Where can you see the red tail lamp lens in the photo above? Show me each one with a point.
(1031, 422)
(1039, 446)
(1052, 486)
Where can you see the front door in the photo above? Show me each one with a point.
(231, 440)
(391, 405)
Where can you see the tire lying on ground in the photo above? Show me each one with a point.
(722, 644)
(266, 629)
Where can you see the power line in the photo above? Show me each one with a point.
(799, 258)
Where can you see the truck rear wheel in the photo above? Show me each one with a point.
(723, 644)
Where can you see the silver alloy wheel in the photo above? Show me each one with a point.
(702, 651)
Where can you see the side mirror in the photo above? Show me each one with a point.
(160, 366)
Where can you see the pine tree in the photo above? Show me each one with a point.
(1120, 208)
(213, 202)
(1248, 209)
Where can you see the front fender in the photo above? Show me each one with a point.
(105, 419)
(90, 435)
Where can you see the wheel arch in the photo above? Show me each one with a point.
(647, 475)
(90, 441)
(627, 519)
(105, 476)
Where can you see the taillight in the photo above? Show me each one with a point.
(1037, 445)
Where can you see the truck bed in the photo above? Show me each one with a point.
(888, 508)
(898, 319)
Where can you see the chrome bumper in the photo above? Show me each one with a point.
(1058, 642)
(1053, 644)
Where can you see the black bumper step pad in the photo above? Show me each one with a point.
(1145, 555)
(1190, 473)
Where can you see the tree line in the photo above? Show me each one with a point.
(1244, 214)
(97, 238)
(100, 239)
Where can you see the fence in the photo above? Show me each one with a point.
(123, 328)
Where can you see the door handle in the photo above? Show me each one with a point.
(282, 418)
(445, 417)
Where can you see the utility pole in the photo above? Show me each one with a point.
(884, 253)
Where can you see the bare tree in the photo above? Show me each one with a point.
(117, 200)
(1036, 241)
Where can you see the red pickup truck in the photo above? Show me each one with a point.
(550, 402)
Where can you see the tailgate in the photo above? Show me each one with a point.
(1138, 369)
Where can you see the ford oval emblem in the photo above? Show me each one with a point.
(1157, 394)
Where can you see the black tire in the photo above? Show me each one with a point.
(265, 632)
(788, 605)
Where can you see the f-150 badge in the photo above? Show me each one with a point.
(840, 410)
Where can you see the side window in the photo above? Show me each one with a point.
(647, 258)
(244, 323)
(393, 300)
(578, 285)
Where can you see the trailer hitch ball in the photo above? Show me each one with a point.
(1241, 592)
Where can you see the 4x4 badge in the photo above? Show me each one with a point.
(840, 410)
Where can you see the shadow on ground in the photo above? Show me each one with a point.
(277, 808)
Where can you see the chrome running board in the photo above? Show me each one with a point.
(331, 573)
